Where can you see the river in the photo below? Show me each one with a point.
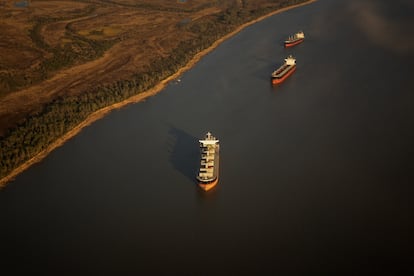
(316, 174)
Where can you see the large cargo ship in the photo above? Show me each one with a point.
(295, 39)
(208, 174)
(284, 71)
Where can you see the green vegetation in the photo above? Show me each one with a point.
(58, 117)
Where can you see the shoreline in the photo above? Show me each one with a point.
(99, 114)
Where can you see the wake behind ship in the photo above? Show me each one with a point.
(295, 39)
(208, 174)
(284, 71)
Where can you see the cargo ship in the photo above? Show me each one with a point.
(295, 39)
(284, 71)
(208, 174)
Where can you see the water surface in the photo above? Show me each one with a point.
(316, 174)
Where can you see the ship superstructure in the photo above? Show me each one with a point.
(284, 71)
(295, 39)
(208, 174)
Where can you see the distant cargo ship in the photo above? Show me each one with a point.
(295, 39)
(284, 71)
(208, 175)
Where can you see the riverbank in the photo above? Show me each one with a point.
(134, 99)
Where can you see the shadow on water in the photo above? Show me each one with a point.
(184, 152)
(265, 72)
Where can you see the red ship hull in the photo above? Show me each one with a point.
(285, 76)
(291, 44)
(209, 185)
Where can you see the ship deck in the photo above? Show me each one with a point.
(293, 40)
(282, 71)
(215, 168)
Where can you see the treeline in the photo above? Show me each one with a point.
(58, 117)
